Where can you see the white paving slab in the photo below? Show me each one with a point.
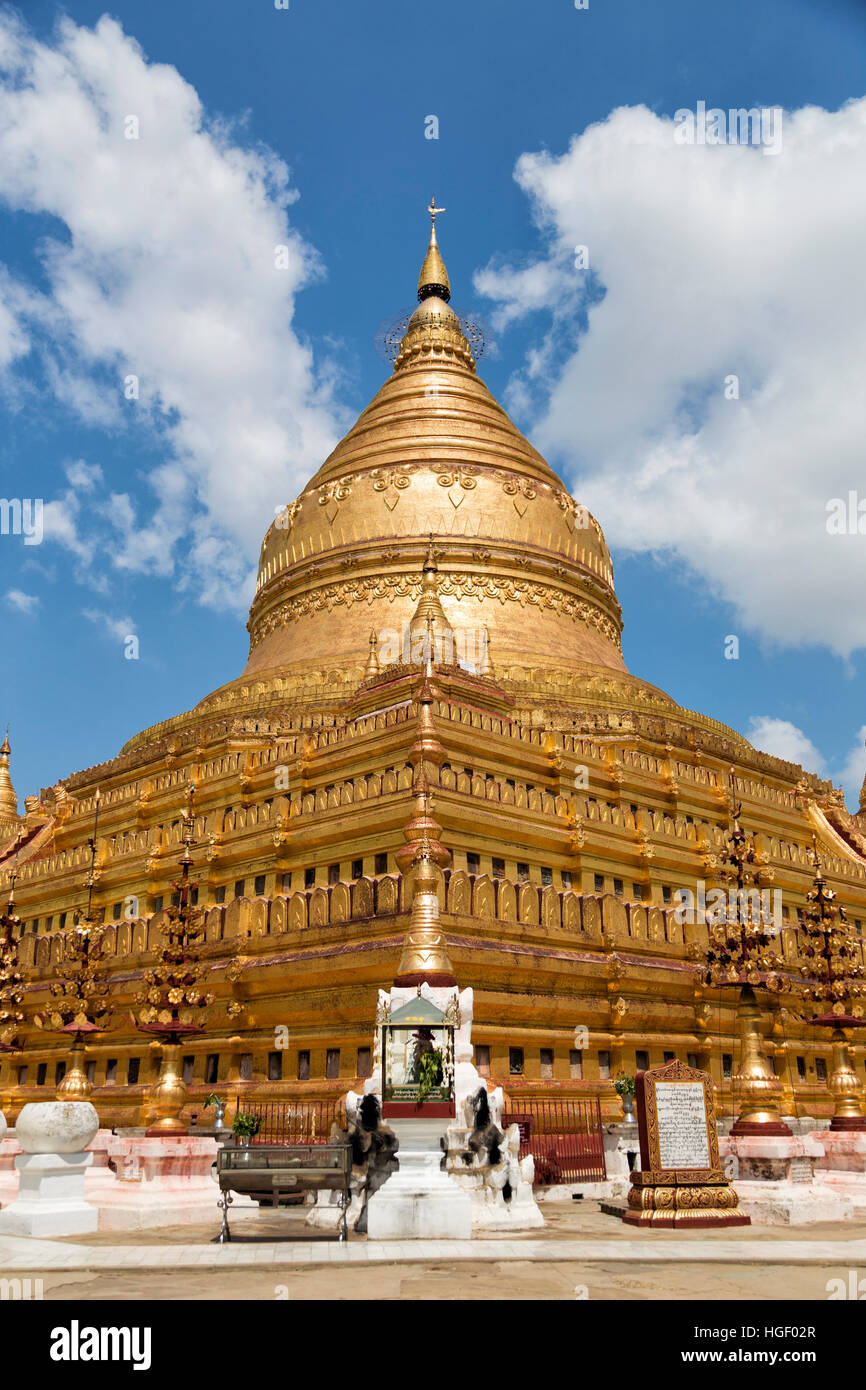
(33, 1254)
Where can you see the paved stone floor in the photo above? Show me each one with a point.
(581, 1255)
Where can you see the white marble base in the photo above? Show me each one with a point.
(50, 1199)
(562, 1193)
(491, 1212)
(844, 1152)
(792, 1203)
(778, 1181)
(851, 1186)
(419, 1202)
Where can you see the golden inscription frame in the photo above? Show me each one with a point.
(665, 1197)
(652, 1172)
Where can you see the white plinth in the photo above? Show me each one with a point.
(792, 1204)
(778, 1183)
(843, 1167)
(419, 1202)
(50, 1199)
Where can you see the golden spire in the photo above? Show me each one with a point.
(372, 668)
(425, 953)
(485, 665)
(433, 279)
(429, 616)
(426, 747)
(434, 330)
(8, 799)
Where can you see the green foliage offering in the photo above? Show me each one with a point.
(624, 1085)
(246, 1126)
(212, 1099)
(429, 1073)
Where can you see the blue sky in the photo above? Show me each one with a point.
(716, 520)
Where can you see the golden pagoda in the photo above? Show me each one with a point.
(434, 626)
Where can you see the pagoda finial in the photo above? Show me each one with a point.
(433, 279)
(816, 861)
(8, 798)
(372, 668)
(429, 621)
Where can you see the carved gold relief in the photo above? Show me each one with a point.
(464, 474)
(382, 479)
(528, 593)
(524, 486)
(336, 491)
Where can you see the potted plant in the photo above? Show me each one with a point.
(427, 1063)
(246, 1127)
(220, 1107)
(624, 1087)
(429, 1073)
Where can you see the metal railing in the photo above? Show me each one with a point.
(565, 1138)
(292, 1121)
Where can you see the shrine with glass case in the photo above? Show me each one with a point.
(418, 1060)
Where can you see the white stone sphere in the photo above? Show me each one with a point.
(56, 1126)
(3, 1126)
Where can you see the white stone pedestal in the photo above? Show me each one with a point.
(485, 1183)
(50, 1199)
(419, 1202)
(621, 1141)
(161, 1181)
(776, 1181)
(50, 1202)
(843, 1167)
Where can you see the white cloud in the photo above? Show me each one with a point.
(168, 273)
(853, 770)
(117, 628)
(14, 341)
(783, 739)
(25, 603)
(60, 523)
(707, 261)
(84, 476)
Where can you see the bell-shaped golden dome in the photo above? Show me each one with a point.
(434, 456)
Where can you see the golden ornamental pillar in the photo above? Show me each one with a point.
(757, 1090)
(75, 1085)
(846, 1088)
(168, 1094)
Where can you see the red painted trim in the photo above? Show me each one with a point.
(434, 980)
(775, 1128)
(408, 1110)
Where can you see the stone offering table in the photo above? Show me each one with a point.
(152, 1182)
(842, 1167)
(779, 1181)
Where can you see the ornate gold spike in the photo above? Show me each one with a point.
(757, 1091)
(372, 668)
(428, 622)
(8, 798)
(425, 954)
(433, 280)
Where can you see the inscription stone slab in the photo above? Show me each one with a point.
(680, 1181)
(681, 1114)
